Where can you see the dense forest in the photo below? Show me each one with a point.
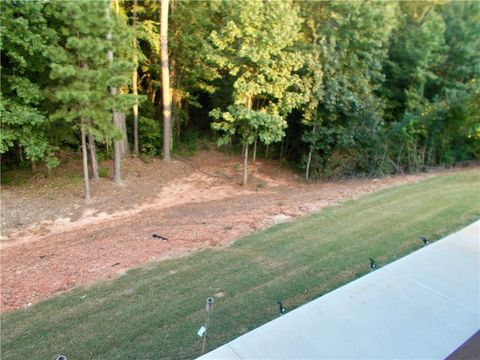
(334, 88)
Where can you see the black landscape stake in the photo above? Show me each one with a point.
(281, 308)
(373, 264)
(425, 240)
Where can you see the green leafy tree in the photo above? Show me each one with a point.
(416, 50)
(461, 70)
(431, 78)
(191, 22)
(346, 46)
(254, 46)
(25, 35)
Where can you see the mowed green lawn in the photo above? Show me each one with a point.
(154, 312)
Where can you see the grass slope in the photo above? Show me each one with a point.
(154, 312)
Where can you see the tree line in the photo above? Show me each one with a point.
(336, 88)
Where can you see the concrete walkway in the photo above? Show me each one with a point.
(423, 306)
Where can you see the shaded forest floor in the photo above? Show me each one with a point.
(52, 240)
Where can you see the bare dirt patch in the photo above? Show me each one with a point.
(53, 240)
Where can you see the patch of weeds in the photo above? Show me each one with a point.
(261, 185)
(6, 179)
(16, 177)
(221, 172)
(237, 166)
(103, 172)
(190, 143)
(147, 158)
(67, 179)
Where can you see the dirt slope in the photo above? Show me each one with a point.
(53, 240)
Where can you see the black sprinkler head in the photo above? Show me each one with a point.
(281, 308)
(425, 240)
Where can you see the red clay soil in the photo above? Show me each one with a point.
(52, 240)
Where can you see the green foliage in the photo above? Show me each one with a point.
(247, 124)
(431, 80)
(150, 136)
(25, 36)
(190, 143)
(103, 172)
(344, 110)
(81, 71)
(462, 63)
(367, 87)
(254, 46)
(416, 51)
(397, 110)
(191, 22)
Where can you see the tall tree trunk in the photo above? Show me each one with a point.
(174, 98)
(245, 152)
(124, 148)
(93, 155)
(167, 105)
(307, 171)
(255, 149)
(123, 125)
(151, 92)
(134, 80)
(86, 180)
(117, 151)
(117, 144)
(20, 155)
(91, 142)
(175, 103)
(245, 165)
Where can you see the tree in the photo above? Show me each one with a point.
(431, 78)
(345, 49)
(253, 46)
(135, 78)
(117, 116)
(166, 97)
(82, 73)
(190, 23)
(25, 126)
(415, 52)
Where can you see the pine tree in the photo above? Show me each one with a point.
(82, 72)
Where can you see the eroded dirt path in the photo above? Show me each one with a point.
(195, 203)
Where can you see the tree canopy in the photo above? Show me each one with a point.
(336, 88)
